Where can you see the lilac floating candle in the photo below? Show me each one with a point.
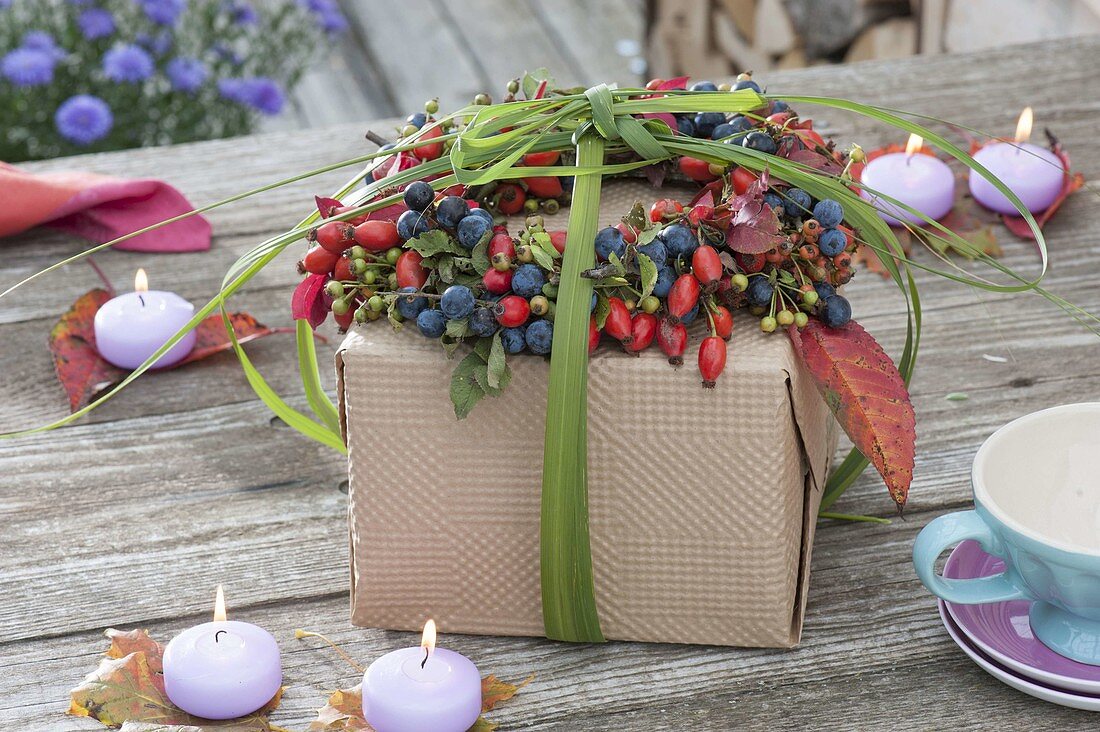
(1034, 174)
(131, 327)
(422, 688)
(222, 670)
(922, 182)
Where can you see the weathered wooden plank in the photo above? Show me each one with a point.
(95, 537)
(591, 33)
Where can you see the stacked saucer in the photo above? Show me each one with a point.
(997, 636)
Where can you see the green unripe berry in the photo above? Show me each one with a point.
(393, 254)
(631, 305)
(370, 276)
(800, 320)
(373, 315)
(334, 288)
(361, 315)
(539, 305)
(513, 86)
(431, 106)
(524, 254)
(650, 303)
(409, 130)
(357, 252)
(482, 99)
(501, 262)
(534, 222)
(396, 315)
(550, 290)
(376, 303)
(784, 317)
(740, 281)
(810, 297)
(531, 205)
(340, 307)
(767, 324)
(551, 206)
(359, 266)
(391, 282)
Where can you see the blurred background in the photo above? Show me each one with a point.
(91, 75)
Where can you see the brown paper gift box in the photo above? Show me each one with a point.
(702, 502)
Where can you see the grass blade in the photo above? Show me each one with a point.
(568, 591)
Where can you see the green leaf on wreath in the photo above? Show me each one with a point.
(648, 272)
(532, 79)
(636, 218)
(466, 391)
(603, 309)
(445, 267)
(434, 242)
(499, 373)
(645, 236)
(617, 264)
(480, 255)
(459, 328)
(542, 239)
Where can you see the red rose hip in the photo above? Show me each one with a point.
(618, 324)
(712, 360)
(672, 338)
(705, 265)
(319, 260)
(410, 273)
(335, 236)
(683, 296)
(377, 236)
(644, 330)
(512, 311)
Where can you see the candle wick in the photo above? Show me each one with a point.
(219, 633)
(142, 298)
(427, 652)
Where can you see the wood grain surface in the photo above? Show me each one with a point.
(129, 518)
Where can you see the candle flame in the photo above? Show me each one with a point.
(141, 281)
(219, 606)
(427, 640)
(914, 145)
(1023, 127)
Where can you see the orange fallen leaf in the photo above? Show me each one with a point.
(127, 691)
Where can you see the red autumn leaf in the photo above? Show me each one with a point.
(680, 82)
(72, 343)
(867, 395)
(308, 300)
(128, 687)
(815, 160)
(211, 336)
(665, 117)
(326, 205)
(84, 374)
(344, 710)
(389, 213)
(754, 227)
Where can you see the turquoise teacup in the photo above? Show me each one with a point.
(1036, 488)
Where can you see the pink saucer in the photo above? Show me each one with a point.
(1002, 630)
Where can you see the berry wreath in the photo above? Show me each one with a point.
(420, 236)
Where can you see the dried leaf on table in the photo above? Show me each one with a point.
(972, 224)
(84, 374)
(127, 691)
(344, 710)
(72, 343)
(867, 395)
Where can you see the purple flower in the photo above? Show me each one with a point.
(260, 93)
(329, 17)
(242, 11)
(96, 23)
(27, 67)
(186, 74)
(164, 12)
(158, 45)
(43, 41)
(226, 52)
(127, 64)
(83, 119)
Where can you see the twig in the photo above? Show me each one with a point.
(849, 517)
(299, 634)
(102, 277)
(377, 139)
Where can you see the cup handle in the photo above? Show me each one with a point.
(946, 531)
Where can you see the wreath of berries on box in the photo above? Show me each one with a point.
(445, 262)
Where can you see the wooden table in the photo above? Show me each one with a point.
(129, 518)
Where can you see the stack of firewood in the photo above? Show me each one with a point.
(717, 38)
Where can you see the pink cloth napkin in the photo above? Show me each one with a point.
(100, 208)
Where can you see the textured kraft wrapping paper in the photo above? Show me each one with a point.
(702, 503)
